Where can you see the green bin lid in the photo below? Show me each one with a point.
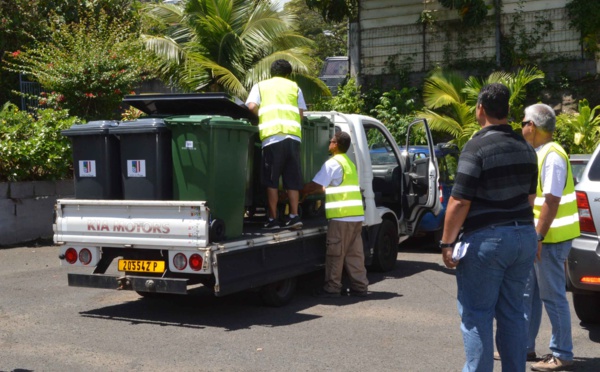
(93, 127)
(190, 104)
(144, 125)
(216, 122)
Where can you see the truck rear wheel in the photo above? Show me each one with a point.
(386, 248)
(278, 293)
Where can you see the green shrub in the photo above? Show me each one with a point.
(31, 147)
(86, 67)
(396, 109)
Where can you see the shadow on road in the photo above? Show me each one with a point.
(202, 309)
(594, 330)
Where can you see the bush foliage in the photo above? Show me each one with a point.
(31, 147)
(85, 67)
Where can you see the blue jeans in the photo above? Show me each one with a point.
(491, 281)
(547, 284)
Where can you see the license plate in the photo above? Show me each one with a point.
(142, 266)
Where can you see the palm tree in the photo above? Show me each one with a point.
(227, 45)
(450, 100)
(584, 128)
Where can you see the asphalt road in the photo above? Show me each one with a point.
(409, 322)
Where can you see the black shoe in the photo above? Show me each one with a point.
(321, 293)
(272, 225)
(294, 223)
(355, 293)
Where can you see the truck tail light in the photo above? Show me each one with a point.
(71, 255)
(85, 256)
(196, 262)
(180, 261)
(586, 222)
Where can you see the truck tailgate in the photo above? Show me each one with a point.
(132, 223)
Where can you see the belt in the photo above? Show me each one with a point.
(514, 223)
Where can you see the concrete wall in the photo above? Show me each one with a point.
(389, 30)
(27, 209)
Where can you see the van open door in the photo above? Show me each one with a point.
(421, 191)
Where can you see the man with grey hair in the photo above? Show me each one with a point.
(557, 224)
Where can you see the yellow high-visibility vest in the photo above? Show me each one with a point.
(565, 225)
(278, 112)
(344, 200)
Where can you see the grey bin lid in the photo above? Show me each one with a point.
(144, 125)
(190, 104)
(92, 127)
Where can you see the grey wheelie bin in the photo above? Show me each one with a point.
(96, 160)
(146, 165)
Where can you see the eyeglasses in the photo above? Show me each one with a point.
(526, 123)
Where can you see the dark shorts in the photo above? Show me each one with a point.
(282, 159)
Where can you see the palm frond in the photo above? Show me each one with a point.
(442, 88)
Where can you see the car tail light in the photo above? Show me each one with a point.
(590, 280)
(71, 255)
(180, 261)
(586, 222)
(441, 194)
(85, 256)
(196, 262)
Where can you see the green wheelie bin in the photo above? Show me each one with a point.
(314, 152)
(211, 157)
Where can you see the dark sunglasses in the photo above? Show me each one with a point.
(526, 123)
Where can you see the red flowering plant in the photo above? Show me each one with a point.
(88, 66)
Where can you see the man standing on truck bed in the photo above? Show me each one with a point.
(338, 179)
(279, 104)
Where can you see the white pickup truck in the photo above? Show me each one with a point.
(164, 246)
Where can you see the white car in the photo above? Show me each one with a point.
(583, 265)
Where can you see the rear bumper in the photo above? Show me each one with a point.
(584, 260)
(128, 282)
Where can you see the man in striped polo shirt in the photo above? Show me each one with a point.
(492, 201)
(557, 224)
(338, 179)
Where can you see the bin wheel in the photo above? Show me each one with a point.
(313, 208)
(217, 230)
(250, 212)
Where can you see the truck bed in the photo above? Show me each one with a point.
(156, 231)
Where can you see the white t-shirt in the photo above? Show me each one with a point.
(554, 174)
(254, 97)
(332, 174)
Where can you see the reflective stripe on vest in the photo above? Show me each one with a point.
(344, 200)
(565, 225)
(278, 112)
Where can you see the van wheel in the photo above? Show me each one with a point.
(278, 293)
(586, 307)
(386, 248)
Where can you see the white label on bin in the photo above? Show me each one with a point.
(87, 168)
(189, 145)
(136, 168)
